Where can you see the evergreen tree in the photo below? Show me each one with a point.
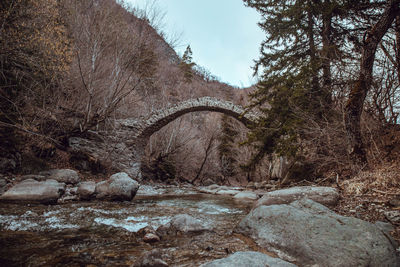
(226, 149)
(187, 64)
(291, 69)
(308, 44)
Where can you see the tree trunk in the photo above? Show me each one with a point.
(398, 46)
(207, 153)
(315, 90)
(355, 103)
(327, 55)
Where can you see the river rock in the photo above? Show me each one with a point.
(151, 238)
(229, 192)
(69, 195)
(325, 195)
(211, 189)
(62, 175)
(248, 258)
(393, 216)
(67, 198)
(186, 223)
(246, 195)
(118, 187)
(36, 177)
(183, 223)
(48, 191)
(86, 190)
(151, 258)
(309, 233)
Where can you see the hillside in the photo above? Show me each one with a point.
(115, 65)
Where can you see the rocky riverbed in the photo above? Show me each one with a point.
(112, 233)
(116, 222)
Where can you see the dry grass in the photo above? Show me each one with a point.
(370, 194)
(384, 180)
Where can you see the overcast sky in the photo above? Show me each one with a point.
(223, 35)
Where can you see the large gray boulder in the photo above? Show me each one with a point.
(248, 259)
(86, 190)
(62, 175)
(29, 190)
(325, 195)
(310, 234)
(118, 187)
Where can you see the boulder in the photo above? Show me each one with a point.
(246, 195)
(86, 190)
(62, 175)
(118, 187)
(183, 223)
(248, 258)
(325, 195)
(29, 190)
(310, 234)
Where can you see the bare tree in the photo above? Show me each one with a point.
(113, 59)
(207, 151)
(355, 103)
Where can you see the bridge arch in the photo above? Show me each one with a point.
(145, 127)
(139, 130)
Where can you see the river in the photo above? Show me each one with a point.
(108, 233)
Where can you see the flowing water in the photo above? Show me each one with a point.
(108, 233)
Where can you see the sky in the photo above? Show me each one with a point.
(223, 35)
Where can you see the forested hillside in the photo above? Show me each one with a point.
(73, 67)
(328, 90)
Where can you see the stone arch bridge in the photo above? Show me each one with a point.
(139, 130)
(132, 135)
(144, 127)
